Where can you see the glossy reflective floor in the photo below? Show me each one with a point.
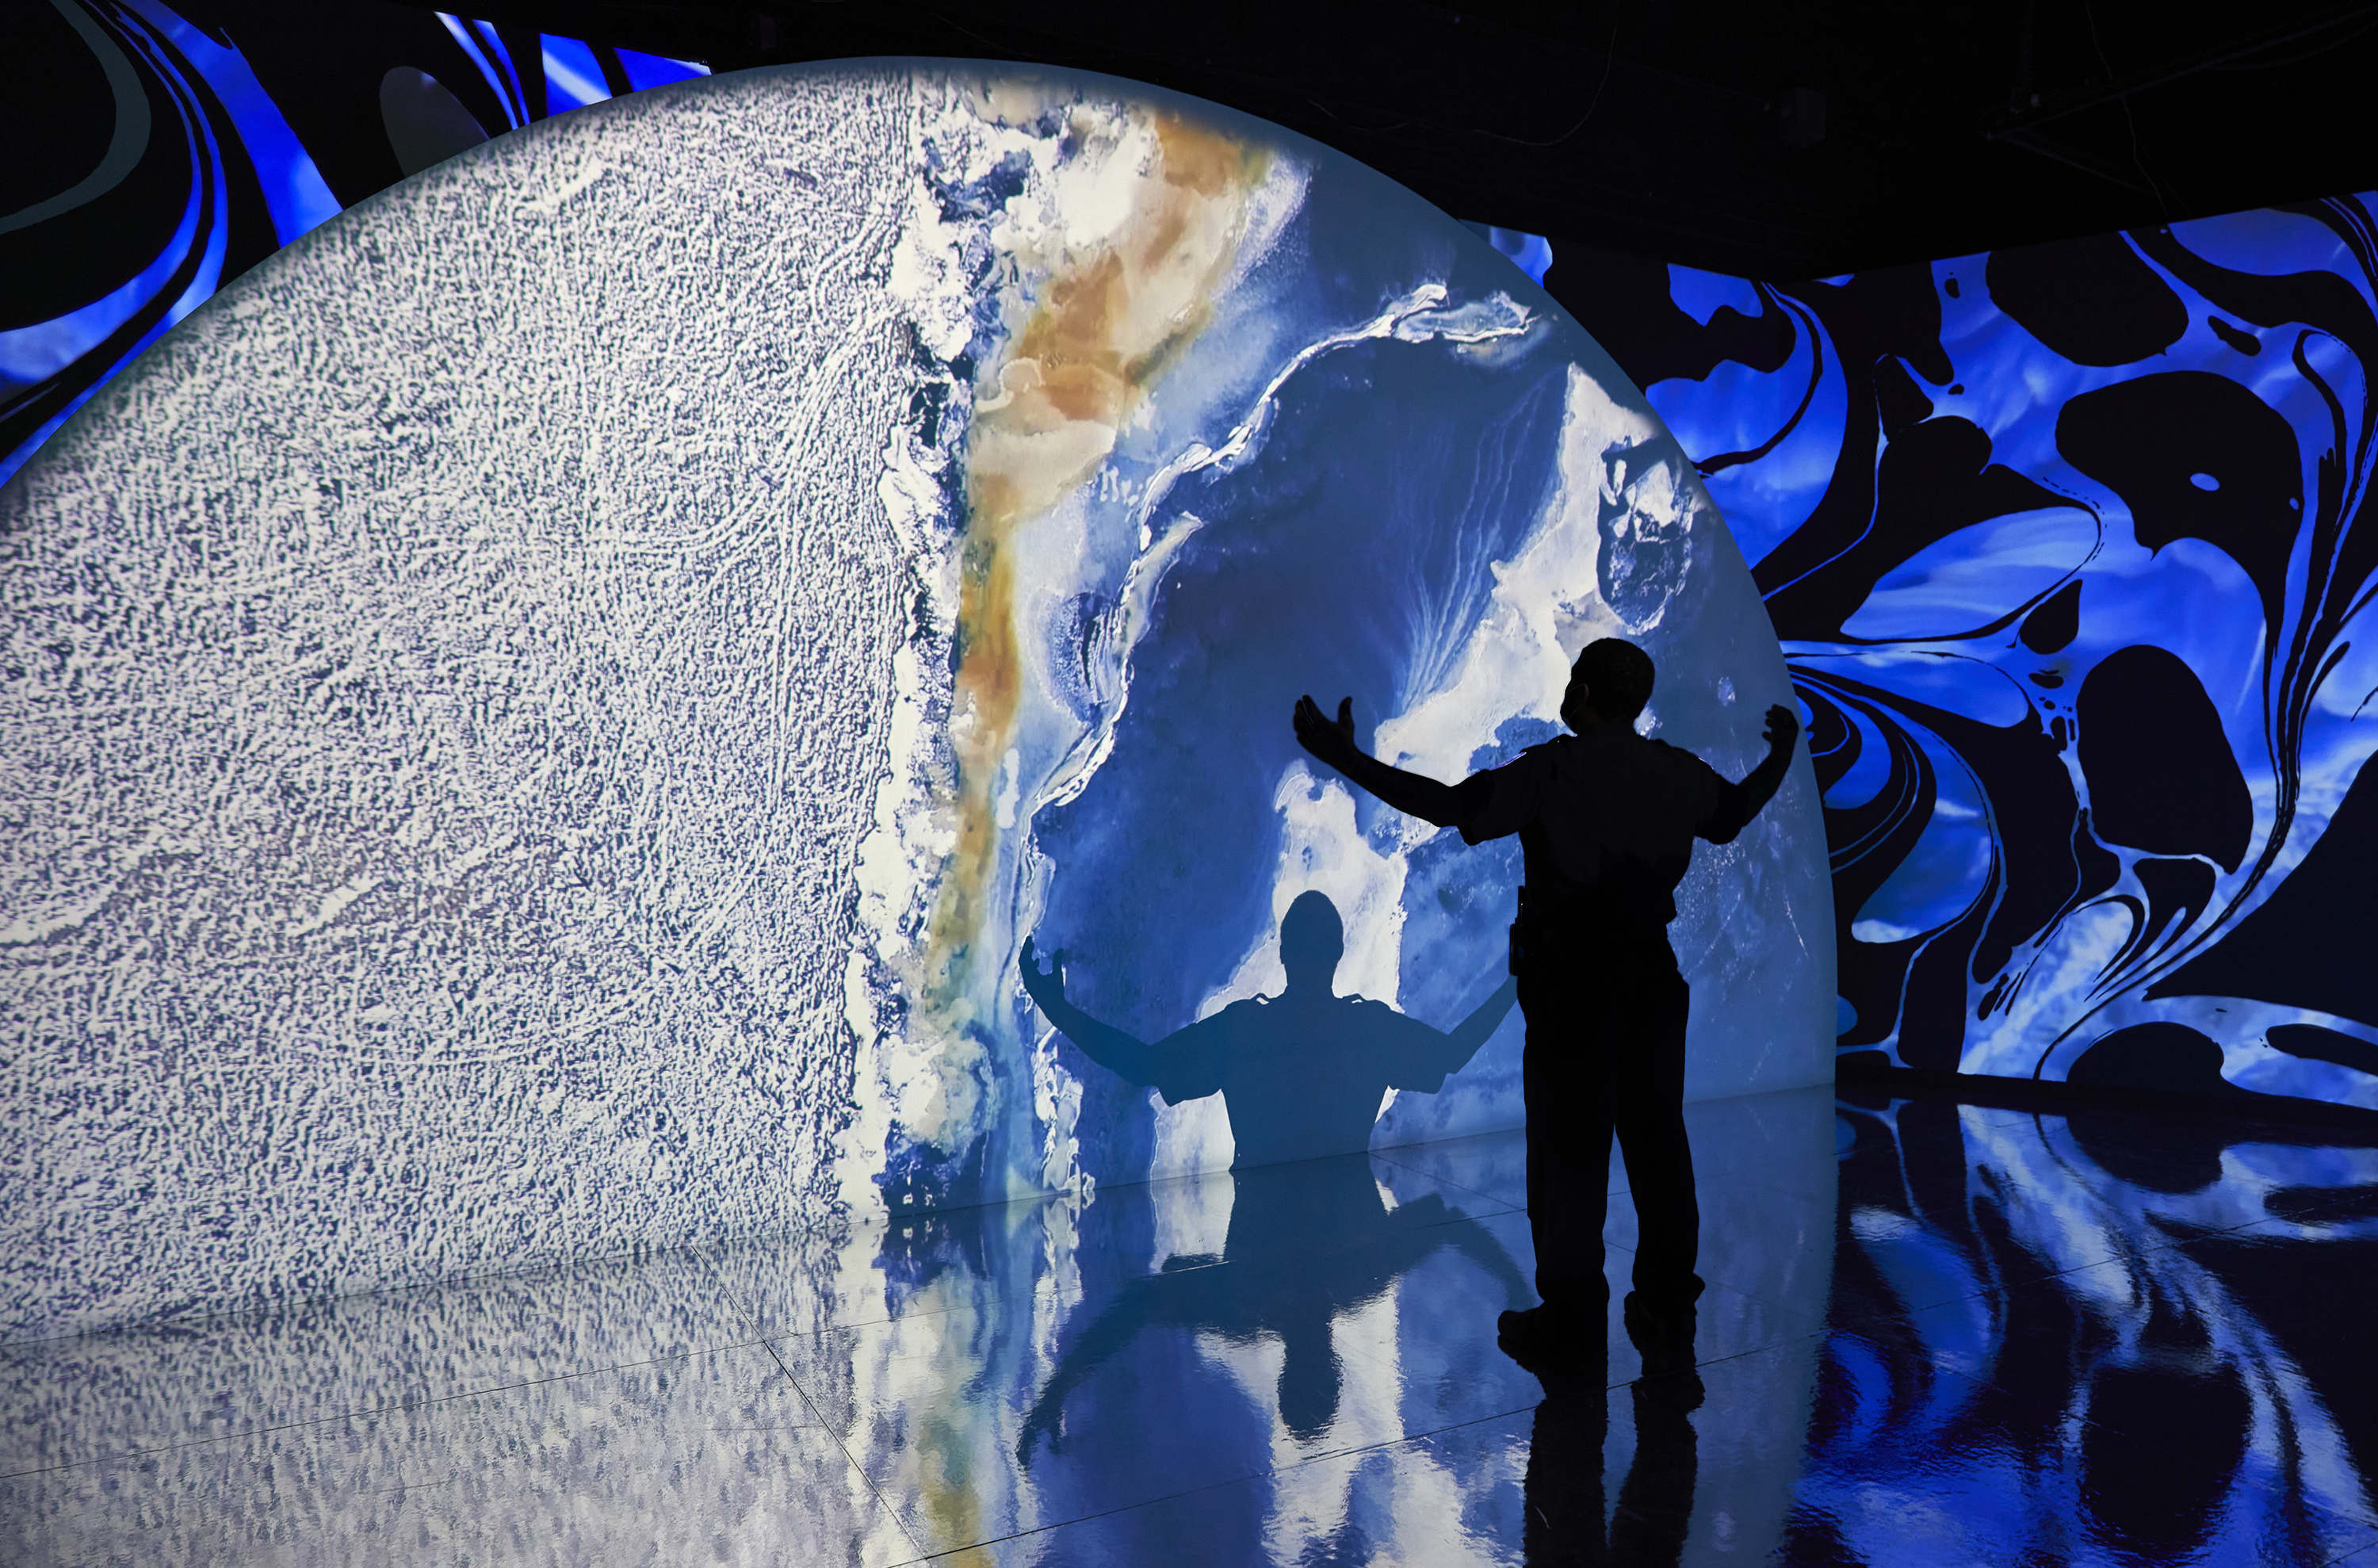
(1934, 1334)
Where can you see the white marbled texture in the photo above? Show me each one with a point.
(444, 679)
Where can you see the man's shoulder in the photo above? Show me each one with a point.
(1545, 752)
(1692, 780)
(1383, 1026)
(1614, 742)
(1677, 756)
(1528, 763)
(1224, 1022)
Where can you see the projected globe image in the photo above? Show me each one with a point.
(594, 662)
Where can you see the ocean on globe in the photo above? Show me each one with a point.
(548, 711)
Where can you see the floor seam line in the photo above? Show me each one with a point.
(842, 1448)
(1458, 1186)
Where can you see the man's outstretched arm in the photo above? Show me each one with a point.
(1737, 804)
(1184, 1064)
(1419, 1056)
(1472, 1031)
(1332, 741)
(1126, 1055)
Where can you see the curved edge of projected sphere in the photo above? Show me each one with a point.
(552, 705)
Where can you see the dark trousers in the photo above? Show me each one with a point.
(1605, 1054)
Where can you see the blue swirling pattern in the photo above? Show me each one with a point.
(205, 176)
(2096, 1338)
(2070, 549)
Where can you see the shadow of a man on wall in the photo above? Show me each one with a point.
(1302, 1073)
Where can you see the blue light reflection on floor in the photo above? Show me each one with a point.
(1934, 1334)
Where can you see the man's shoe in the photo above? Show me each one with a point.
(1547, 1335)
(1522, 1328)
(1662, 1332)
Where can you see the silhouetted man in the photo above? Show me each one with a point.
(1304, 1072)
(1607, 821)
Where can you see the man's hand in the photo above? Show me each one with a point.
(1045, 986)
(1331, 741)
(1783, 728)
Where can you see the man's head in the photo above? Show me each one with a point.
(1610, 681)
(1312, 940)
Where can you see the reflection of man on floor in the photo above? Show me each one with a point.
(1607, 821)
(1566, 1522)
(1301, 1073)
(1309, 1245)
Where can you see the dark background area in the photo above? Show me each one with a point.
(1779, 140)
(1788, 139)
(1792, 141)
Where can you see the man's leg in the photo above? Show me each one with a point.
(1650, 1117)
(1570, 1122)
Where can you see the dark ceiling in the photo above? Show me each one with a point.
(1786, 139)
